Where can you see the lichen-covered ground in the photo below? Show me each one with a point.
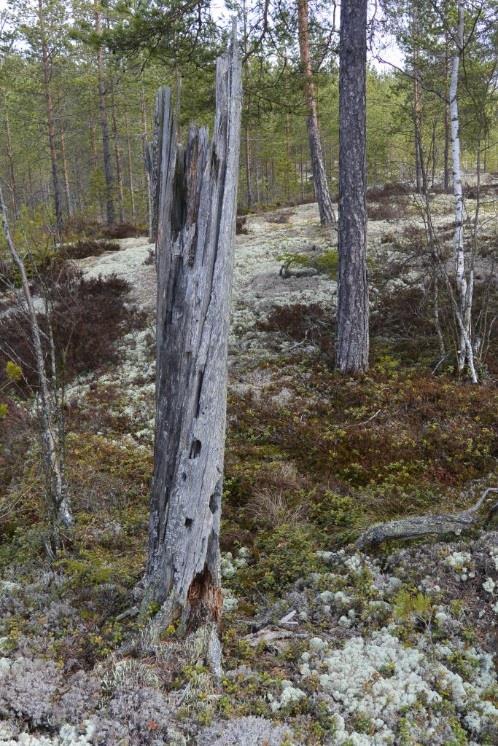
(322, 644)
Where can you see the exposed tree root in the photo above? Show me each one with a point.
(429, 525)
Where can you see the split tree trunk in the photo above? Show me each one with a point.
(327, 216)
(352, 302)
(195, 244)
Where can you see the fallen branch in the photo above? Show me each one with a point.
(426, 525)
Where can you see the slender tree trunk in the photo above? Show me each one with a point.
(446, 126)
(65, 171)
(52, 447)
(417, 132)
(247, 154)
(327, 216)
(352, 302)
(434, 153)
(47, 90)
(464, 279)
(131, 179)
(198, 196)
(148, 161)
(10, 159)
(117, 158)
(104, 125)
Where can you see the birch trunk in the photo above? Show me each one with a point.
(327, 216)
(464, 278)
(352, 302)
(52, 450)
(197, 198)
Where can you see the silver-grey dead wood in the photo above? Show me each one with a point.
(196, 188)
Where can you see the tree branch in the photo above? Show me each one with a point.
(421, 526)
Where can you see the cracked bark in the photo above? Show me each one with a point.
(352, 302)
(196, 195)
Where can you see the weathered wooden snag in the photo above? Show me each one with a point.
(197, 196)
(416, 527)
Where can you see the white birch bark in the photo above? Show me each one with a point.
(464, 278)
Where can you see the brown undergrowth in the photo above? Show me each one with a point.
(342, 454)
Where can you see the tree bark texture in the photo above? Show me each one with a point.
(327, 215)
(197, 198)
(352, 303)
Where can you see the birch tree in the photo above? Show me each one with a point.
(197, 188)
(352, 302)
(49, 408)
(464, 274)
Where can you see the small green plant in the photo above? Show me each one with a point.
(413, 608)
(13, 372)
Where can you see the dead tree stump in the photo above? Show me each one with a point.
(196, 192)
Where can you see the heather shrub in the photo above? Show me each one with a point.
(122, 230)
(302, 323)
(87, 247)
(87, 318)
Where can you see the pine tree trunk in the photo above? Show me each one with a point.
(117, 158)
(148, 156)
(352, 303)
(327, 216)
(104, 125)
(46, 67)
(131, 179)
(197, 188)
(65, 171)
(247, 154)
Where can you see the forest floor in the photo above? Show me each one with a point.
(322, 644)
